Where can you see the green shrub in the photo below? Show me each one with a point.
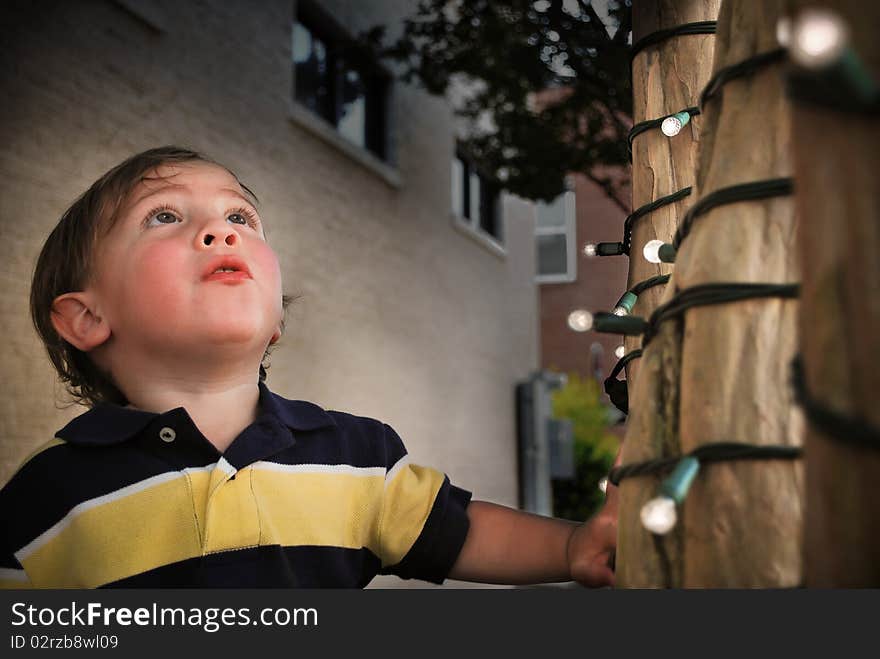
(594, 447)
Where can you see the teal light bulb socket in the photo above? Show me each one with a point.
(853, 75)
(627, 301)
(677, 484)
(683, 117)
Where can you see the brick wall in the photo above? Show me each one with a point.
(599, 284)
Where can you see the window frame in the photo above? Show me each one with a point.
(569, 231)
(376, 79)
(464, 220)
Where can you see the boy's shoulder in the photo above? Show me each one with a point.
(356, 432)
(303, 415)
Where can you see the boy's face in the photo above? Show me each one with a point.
(161, 277)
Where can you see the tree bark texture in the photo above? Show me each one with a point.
(742, 522)
(666, 78)
(836, 160)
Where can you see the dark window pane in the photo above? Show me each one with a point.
(488, 214)
(552, 255)
(313, 72)
(377, 90)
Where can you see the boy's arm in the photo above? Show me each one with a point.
(509, 546)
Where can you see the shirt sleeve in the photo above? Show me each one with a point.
(424, 522)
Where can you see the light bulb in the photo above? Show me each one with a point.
(818, 38)
(658, 515)
(620, 351)
(580, 320)
(603, 484)
(651, 251)
(590, 249)
(673, 124)
(619, 311)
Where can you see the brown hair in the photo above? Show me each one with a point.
(65, 265)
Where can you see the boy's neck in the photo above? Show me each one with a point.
(220, 410)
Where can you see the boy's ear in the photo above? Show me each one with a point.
(74, 318)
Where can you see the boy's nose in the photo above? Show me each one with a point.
(211, 235)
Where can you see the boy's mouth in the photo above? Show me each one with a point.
(229, 268)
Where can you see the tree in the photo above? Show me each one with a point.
(509, 50)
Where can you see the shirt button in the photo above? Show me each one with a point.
(167, 434)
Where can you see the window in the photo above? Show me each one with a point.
(475, 198)
(337, 82)
(555, 240)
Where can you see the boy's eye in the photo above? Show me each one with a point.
(162, 216)
(237, 218)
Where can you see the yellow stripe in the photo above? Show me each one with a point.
(409, 497)
(323, 509)
(122, 537)
(175, 516)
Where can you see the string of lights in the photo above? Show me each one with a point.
(617, 390)
(628, 300)
(653, 38)
(656, 251)
(832, 424)
(659, 515)
(623, 247)
(827, 73)
(581, 320)
(712, 294)
(739, 70)
(670, 125)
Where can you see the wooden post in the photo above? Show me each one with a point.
(722, 374)
(667, 78)
(836, 160)
(742, 521)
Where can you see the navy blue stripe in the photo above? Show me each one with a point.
(270, 566)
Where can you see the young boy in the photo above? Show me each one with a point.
(157, 297)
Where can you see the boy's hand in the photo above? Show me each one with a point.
(592, 544)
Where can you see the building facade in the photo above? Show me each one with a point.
(569, 280)
(415, 306)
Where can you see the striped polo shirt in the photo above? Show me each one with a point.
(302, 498)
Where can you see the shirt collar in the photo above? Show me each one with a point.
(107, 424)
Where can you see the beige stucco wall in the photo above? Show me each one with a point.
(401, 317)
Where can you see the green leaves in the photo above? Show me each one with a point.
(594, 447)
(553, 79)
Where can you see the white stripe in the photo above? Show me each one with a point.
(80, 508)
(224, 466)
(400, 464)
(193, 470)
(319, 469)
(10, 574)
